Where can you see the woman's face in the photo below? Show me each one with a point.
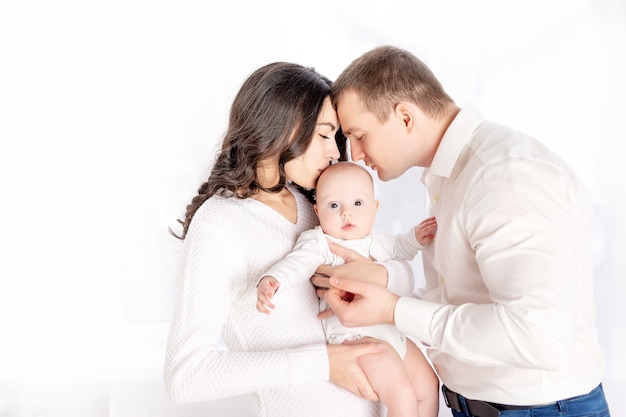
(305, 169)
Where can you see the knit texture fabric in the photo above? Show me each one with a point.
(221, 346)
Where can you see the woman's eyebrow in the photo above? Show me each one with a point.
(332, 126)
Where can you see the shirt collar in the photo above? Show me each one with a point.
(458, 134)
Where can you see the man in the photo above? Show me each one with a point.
(508, 312)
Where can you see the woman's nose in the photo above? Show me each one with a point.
(332, 151)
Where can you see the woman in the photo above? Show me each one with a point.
(247, 216)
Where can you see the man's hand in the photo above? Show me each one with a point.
(357, 267)
(368, 304)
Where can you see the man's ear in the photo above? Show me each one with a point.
(405, 113)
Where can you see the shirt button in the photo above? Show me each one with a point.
(436, 198)
(441, 279)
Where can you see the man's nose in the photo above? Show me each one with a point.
(356, 151)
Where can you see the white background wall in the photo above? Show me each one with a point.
(110, 111)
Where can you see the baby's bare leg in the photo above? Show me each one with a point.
(423, 379)
(388, 377)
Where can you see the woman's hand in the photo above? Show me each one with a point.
(345, 370)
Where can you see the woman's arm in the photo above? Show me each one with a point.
(198, 367)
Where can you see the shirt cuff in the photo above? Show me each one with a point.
(309, 364)
(413, 317)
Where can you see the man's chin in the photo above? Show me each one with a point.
(382, 176)
(386, 175)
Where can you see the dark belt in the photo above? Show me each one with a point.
(478, 408)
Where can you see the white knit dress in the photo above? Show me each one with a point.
(279, 360)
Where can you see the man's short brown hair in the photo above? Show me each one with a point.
(387, 75)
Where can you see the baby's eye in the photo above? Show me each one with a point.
(358, 203)
(333, 205)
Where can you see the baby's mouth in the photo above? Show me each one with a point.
(348, 226)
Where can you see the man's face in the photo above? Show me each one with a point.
(382, 146)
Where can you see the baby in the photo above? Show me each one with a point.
(346, 208)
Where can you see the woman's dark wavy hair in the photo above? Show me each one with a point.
(277, 102)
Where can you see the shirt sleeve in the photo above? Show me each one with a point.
(401, 280)
(309, 252)
(406, 245)
(520, 220)
(198, 367)
(399, 249)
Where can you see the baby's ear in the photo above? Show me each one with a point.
(315, 208)
(377, 203)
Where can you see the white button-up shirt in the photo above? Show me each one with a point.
(508, 309)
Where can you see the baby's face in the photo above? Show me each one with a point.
(346, 206)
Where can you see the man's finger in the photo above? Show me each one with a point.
(320, 281)
(343, 252)
(326, 270)
(320, 292)
(333, 298)
(348, 285)
(338, 249)
(325, 314)
(339, 301)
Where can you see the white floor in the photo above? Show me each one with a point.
(122, 399)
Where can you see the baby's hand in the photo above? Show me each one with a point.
(266, 289)
(425, 231)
